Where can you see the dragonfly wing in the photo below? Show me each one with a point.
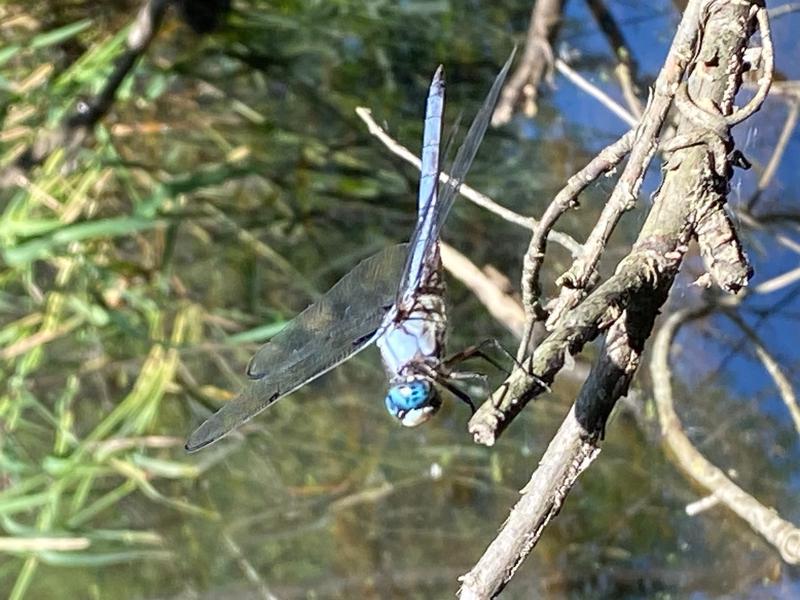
(343, 322)
(432, 217)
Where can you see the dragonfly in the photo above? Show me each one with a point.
(406, 320)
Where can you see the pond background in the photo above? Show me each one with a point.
(231, 183)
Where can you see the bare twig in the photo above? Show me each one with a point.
(522, 86)
(784, 9)
(702, 505)
(777, 153)
(783, 535)
(604, 162)
(786, 89)
(756, 223)
(596, 92)
(469, 193)
(778, 282)
(782, 383)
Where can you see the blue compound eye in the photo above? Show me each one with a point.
(413, 402)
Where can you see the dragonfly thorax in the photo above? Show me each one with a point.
(412, 400)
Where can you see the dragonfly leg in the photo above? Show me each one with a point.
(460, 394)
(444, 379)
(464, 375)
(477, 351)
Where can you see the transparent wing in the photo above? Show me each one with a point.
(433, 215)
(343, 322)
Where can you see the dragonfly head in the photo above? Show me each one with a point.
(413, 401)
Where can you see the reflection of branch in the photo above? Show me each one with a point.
(777, 153)
(784, 9)
(502, 306)
(778, 282)
(782, 383)
(536, 61)
(783, 535)
(77, 126)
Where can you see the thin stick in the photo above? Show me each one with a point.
(782, 383)
(626, 70)
(596, 92)
(469, 193)
(777, 154)
(604, 162)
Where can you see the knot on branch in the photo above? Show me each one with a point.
(712, 130)
(789, 544)
(723, 255)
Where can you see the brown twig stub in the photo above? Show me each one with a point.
(782, 534)
(535, 64)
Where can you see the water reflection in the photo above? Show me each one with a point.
(326, 497)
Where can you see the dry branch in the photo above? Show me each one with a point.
(782, 534)
(575, 281)
(537, 60)
(567, 198)
(709, 45)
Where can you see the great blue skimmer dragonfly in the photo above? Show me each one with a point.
(407, 323)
